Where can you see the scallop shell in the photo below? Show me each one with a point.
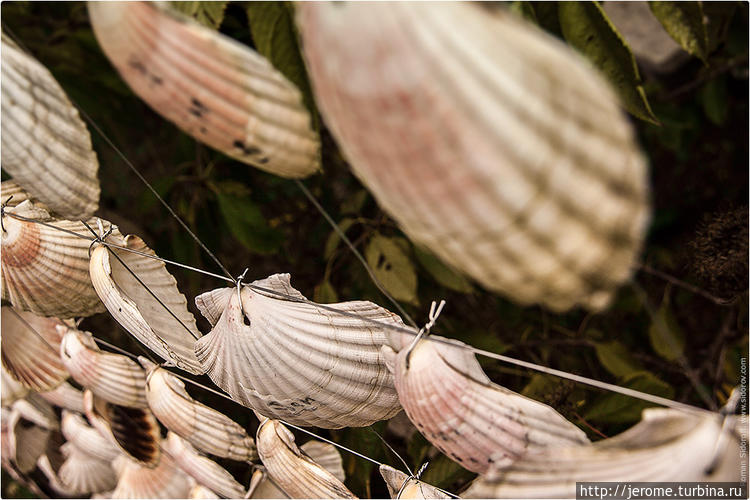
(45, 270)
(26, 441)
(204, 470)
(262, 486)
(207, 429)
(458, 409)
(402, 486)
(164, 481)
(12, 390)
(55, 483)
(168, 331)
(46, 147)
(83, 473)
(113, 377)
(292, 471)
(86, 438)
(133, 430)
(31, 349)
(198, 492)
(65, 396)
(667, 445)
(37, 410)
(298, 362)
(490, 142)
(11, 194)
(327, 456)
(214, 88)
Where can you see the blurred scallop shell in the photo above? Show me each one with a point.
(198, 491)
(295, 361)
(65, 396)
(205, 428)
(489, 141)
(46, 147)
(11, 194)
(169, 329)
(31, 349)
(54, 480)
(86, 438)
(401, 485)
(293, 471)
(113, 377)
(12, 390)
(83, 473)
(45, 270)
(667, 445)
(35, 409)
(134, 430)
(458, 409)
(327, 456)
(204, 470)
(166, 480)
(212, 87)
(25, 441)
(262, 486)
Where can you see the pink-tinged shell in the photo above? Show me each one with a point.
(12, 390)
(204, 470)
(113, 377)
(65, 396)
(490, 142)
(164, 481)
(86, 438)
(37, 410)
(31, 349)
(134, 431)
(46, 147)
(50, 473)
(290, 469)
(458, 409)
(168, 331)
(294, 361)
(198, 491)
(83, 473)
(667, 445)
(45, 270)
(401, 485)
(207, 429)
(215, 89)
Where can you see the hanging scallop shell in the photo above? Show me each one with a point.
(65, 396)
(213, 88)
(293, 471)
(45, 270)
(207, 429)
(134, 430)
(31, 349)
(164, 481)
(327, 456)
(262, 486)
(204, 470)
(298, 362)
(12, 390)
(54, 480)
(11, 194)
(46, 147)
(667, 445)
(458, 409)
(113, 377)
(37, 410)
(167, 328)
(198, 492)
(83, 473)
(490, 142)
(86, 438)
(402, 486)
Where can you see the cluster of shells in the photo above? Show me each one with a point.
(548, 208)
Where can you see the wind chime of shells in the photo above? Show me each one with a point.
(509, 205)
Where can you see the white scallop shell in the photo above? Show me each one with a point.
(198, 492)
(55, 483)
(12, 390)
(83, 473)
(169, 329)
(458, 409)
(11, 194)
(401, 485)
(45, 270)
(667, 445)
(298, 362)
(214, 88)
(86, 438)
(25, 441)
(204, 470)
(166, 480)
(262, 486)
(293, 471)
(65, 396)
(205, 428)
(31, 349)
(490, 142)
(46, 147)
(327, 456)
(37, 410)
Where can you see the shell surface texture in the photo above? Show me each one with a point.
(291, 470)
(45, 270)
(215, 89)
(84, 473)
(166, 480)
(295, 361)
(66, 397)
(488, 141)
(473, 421)
(86, 438)
(31, 349)
(46, 147)
(205, 428)
(327, 456)
(401, 485)
(125, 282)
(666, 445)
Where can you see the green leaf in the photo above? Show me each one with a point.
(325, 293)
(616, 358)
(525, 10)
(334, 239)
(354, 204)
(667, 338)
(714, 100)
(247, 224)
(442, 273)
(587, 28)
(210, 14)
(393, 267)
(540, 387)
(685, 23)
(620, 409)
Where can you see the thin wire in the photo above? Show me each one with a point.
(28, 325)
(411, 473)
